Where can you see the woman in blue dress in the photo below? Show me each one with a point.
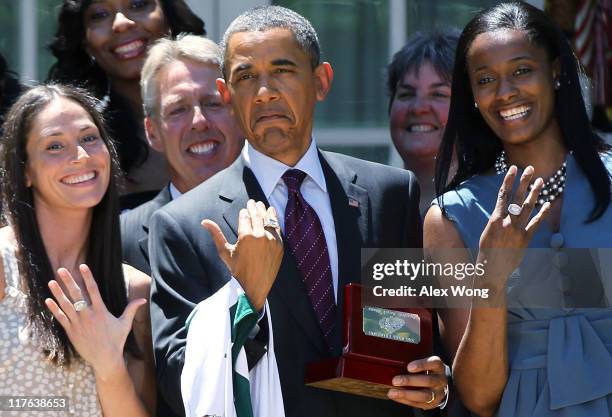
(517, 113)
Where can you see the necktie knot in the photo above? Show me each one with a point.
(293, 178)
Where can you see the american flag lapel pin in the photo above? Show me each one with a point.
(353, 202)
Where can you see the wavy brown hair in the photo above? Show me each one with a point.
(104, 243)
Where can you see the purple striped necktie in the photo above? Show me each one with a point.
(306, 240)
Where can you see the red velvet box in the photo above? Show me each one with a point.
(369, 363)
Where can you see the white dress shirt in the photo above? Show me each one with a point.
(174, 192)
(269, 171)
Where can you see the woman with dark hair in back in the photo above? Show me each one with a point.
(517, 113)
(101, 45)
(71, 327)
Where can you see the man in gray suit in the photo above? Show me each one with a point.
(186, 120)
(273, 78)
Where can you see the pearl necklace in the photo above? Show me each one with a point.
(553, 187)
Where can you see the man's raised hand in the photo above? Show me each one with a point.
(255, 258)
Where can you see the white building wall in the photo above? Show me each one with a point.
(218, 14)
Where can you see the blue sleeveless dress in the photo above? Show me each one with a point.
(560, 359)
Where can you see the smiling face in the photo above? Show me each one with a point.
(68, 163)
(193, 127)
(419, 113)
(117, 33)
(512, 82)
(273, 89)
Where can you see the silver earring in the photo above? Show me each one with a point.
(557, 84)
(475, 105)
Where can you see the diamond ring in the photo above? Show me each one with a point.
(433, 397)
(273, 223)
(80, 305)
(514, 209)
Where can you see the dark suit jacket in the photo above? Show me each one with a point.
(135, 246)
(135, 231)
(186, 269)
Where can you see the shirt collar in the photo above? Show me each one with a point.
(269, 171)
(174, 192)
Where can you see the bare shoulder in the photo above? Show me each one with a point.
(139, 282)
(440, 232)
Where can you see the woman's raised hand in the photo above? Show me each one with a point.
(511, 226)
(97, 335)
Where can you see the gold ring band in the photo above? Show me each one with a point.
(433, 397)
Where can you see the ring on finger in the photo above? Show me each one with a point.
(515, 209)
(269, 222)
(80, 305)
(433, 397)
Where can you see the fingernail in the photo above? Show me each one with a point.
(392, 393)
(412, 367)
(396, 381)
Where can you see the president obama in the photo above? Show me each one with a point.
(329, 206)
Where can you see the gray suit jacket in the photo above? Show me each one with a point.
(186, 269)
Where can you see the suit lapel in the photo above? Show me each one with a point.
(239, 186)
(351, 211)
(160, 200)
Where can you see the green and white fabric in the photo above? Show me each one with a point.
(215, 379)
